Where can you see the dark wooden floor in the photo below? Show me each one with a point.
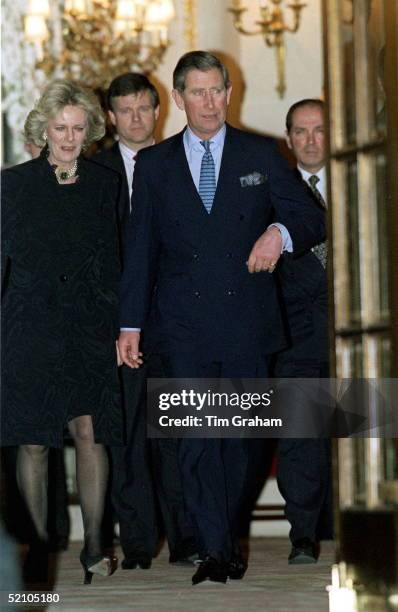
(270, 584)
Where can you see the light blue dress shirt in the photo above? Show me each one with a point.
(194, 152)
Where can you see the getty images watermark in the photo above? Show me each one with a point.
(271, 408)
(215, 400)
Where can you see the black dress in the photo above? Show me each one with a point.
(60, 280)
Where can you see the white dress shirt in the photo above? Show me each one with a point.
(128, 156)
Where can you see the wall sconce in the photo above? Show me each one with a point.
(272, 26)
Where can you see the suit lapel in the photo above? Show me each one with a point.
(116, 159)
(186, 201)
(227, 197)
(116, 162)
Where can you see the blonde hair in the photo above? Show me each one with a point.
(55, 97)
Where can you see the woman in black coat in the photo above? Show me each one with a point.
(60, 312)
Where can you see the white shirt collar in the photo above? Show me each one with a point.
(193, 141)
(321, 174)
(126, 151)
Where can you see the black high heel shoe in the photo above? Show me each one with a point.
(98, 564)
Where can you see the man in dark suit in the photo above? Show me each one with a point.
(203, 204)
(140, 468)
(304, 465)
(133, 108)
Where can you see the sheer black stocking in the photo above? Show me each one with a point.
(32, 477)
(92, 477)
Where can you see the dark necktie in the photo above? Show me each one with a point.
(207, 180)
(313, 181)
(319, 250)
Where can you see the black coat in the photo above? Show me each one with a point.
(60, 304)
(205, 298)
(304, 289)
(112, 158)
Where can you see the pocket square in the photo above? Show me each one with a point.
(252, 179)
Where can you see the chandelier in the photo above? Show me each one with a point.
(272, 26)
(92, 41)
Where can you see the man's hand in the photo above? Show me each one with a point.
(129, 342)
(118, 358)
(266, 251)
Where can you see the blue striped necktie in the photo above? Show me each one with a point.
(207, 181)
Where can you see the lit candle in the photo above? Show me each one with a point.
(35, 28)
(79, 6)
(125, 9)
(39, 7)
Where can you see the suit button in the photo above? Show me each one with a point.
(197, 294)
(63, 278)
(196, 256)
(231, 292)
(229, 255)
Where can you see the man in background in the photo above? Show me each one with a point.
(304, 465)
(133, 109)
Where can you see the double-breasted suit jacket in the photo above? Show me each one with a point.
(205, 299)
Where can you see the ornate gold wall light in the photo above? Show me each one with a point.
(272, 26)
(92, 41)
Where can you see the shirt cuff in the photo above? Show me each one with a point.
(136, 329)
(287, 244)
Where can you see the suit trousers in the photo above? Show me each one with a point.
(132, 487)
(214, 471)
(146, 475)
(304, 472)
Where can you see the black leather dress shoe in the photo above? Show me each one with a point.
(211, 569)
(130, 563)
(237, 568)
(303, 551)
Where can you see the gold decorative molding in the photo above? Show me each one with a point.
(190, 21)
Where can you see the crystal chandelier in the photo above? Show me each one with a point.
(92, 41)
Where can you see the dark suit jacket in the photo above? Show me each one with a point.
(112, 158)
(205, 299)
(304, 289)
